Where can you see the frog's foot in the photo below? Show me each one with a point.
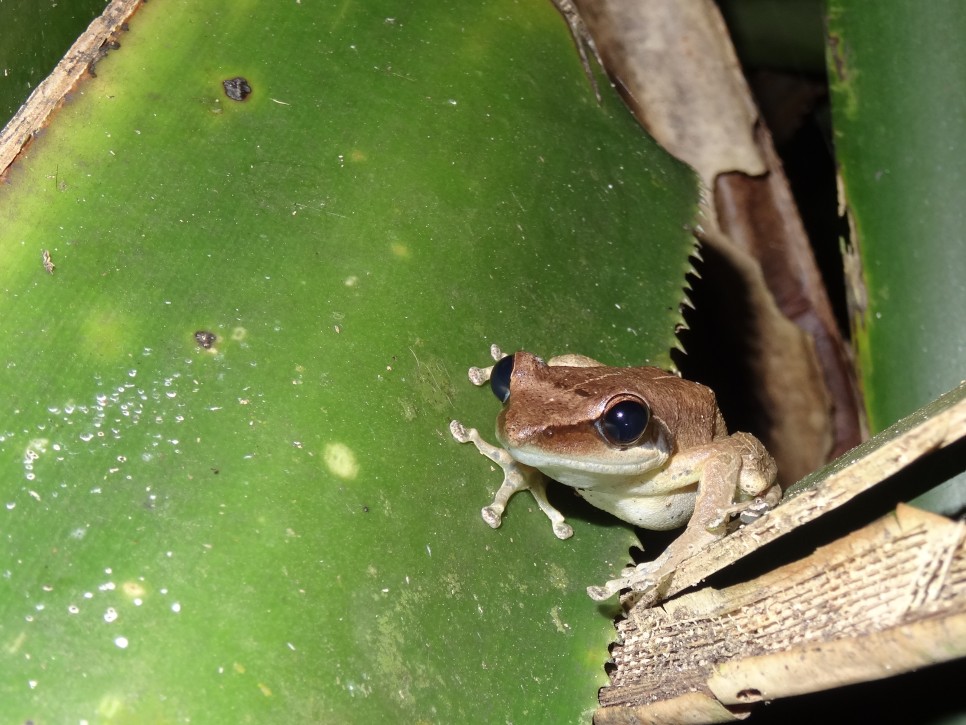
(481, 376)
(607, 590)
(640, 578)
(516, 477)
(753, 509)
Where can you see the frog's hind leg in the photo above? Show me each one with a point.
(516, 477)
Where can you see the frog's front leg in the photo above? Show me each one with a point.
(516, 477)
(481, 376)
(738, 467)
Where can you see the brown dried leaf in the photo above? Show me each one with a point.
(675, 65)
(678, 71)
(791, 389)
(891, 594)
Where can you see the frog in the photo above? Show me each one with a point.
(641, 443)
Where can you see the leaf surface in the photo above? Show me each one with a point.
(280, 527)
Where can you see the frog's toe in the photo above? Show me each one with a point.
(458, 432)
(562, 530)
(492, 516)
(640, 578)
(608, 589)
(479, 376)
(755, 510)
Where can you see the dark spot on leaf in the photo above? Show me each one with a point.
(109, 44)
(237, 89)
(205, 339)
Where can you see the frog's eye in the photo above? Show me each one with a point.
(500, 378)
(624, 422)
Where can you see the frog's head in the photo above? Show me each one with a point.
(584, 425)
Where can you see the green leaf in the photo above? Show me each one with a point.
(280, 528)
(898, 104)
(777, 33)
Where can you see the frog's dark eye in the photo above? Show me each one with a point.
(624, 422)
(500, 378)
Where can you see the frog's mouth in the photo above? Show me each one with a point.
(623, 468)
(579, 457)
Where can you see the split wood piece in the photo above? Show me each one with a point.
(35, 114)
(885, 600)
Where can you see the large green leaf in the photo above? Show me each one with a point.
(280, 528)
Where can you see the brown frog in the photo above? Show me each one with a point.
(638, 442)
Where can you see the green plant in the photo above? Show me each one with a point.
(278, 526)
